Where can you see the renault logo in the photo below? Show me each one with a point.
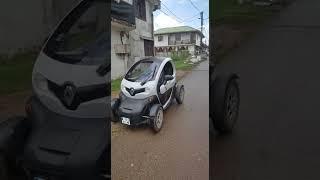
(68, 94)
(131, 91)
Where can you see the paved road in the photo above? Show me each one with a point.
(277, 136)
(180, 150)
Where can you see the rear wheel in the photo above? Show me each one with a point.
(156, 113)
(179, 95)
(226, 105)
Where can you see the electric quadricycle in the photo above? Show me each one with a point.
(65, 133)
(147, 89)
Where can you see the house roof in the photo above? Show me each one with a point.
(178, 29)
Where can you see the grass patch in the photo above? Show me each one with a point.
(16, 71)
(181, 59)
(181, 65)
(115, 84)
(230, 12)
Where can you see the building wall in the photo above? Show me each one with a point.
(164, 42)
(143, 30)
(26, 24)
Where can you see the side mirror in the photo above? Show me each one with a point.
(168, 77)
(163, 89)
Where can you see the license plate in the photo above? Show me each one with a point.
(125, 120)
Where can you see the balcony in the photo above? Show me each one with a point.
(122, 15)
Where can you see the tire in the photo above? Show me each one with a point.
(4, 175)
(226, 101)
(114, 109)
(156, 112)
(179, 94)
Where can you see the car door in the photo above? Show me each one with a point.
(167, 86)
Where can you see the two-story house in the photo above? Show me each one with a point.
(131, 33)
(175, 39)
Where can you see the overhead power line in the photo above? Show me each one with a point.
(171, 12)
(194, 6)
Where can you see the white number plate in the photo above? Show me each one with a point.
(125, 120)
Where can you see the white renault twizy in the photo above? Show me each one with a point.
(147, 89)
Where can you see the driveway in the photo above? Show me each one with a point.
(180, 150)
(278, 129)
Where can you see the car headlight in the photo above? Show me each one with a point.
(40, 82)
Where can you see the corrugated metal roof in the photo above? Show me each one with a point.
(178, 29)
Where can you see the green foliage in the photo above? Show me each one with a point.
(16, 71)
(180, 55)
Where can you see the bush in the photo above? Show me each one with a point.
(180, 55)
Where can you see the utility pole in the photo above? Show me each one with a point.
(201, 17)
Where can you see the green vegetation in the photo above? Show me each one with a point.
(115, 84)
(181, 60)
(230, 12)
(15, 72)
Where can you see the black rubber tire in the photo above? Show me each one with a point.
(114, 109)
(4, 174)
(179, 89)
(153, 114)
(221, 91)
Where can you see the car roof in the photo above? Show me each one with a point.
(157, 60)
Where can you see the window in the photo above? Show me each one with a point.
(82, 37)
(148, 48)
(178, 37)
(168, 69)
(140, 8)
(160, 38)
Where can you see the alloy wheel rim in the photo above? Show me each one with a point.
(232, 105)
(182, 94)
(159, 118)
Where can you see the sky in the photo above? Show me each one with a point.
(183, 13)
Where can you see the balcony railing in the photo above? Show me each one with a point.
(122, 13)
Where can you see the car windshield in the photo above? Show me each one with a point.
(81, 38)
(142, 71)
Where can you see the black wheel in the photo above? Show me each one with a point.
(226, 101)
(156, 113)
(114, 109)
(179, 95)
(3, 168)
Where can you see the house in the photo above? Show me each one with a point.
(175, 39)
(131, 33)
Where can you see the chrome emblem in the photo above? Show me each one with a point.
(131, 91)
(68, 94)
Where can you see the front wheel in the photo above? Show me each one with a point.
(156, 112)
(3, 168)
(114, 109)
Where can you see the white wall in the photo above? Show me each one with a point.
(164, 41)
(198, 39)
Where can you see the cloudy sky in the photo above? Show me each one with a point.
(182, 13)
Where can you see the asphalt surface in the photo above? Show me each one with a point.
(180, 150)
(277, 135)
